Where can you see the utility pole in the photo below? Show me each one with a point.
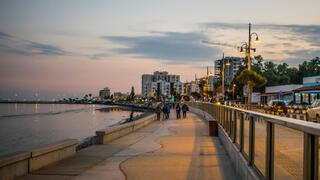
(249, 67)
(222, 75)
(249, 49)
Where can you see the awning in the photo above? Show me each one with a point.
(309, 88)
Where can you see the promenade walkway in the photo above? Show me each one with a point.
(171, 149)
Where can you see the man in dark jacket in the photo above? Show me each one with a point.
(164, 112)
(184, 108)
(178, 109)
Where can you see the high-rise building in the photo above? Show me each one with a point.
(230, 71)
(163, 82)
(104, 93)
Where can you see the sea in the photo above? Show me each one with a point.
(27, 126)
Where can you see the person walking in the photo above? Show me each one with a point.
(178, 109)
(158, 111)
(168, 111)
(164, 112)
(184, 108)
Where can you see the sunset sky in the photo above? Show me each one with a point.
(63, 48)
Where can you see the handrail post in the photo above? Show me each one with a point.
(270, 151)
(310, 157)
(230, 123)
(227, 121)
(224, 117)
(251, 140)
(241, 132)
(234, 126)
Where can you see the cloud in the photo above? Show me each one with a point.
(99, 55)
(4, 35)
(304, 39)
(309, 33)
(14, 45)
(305, 53)
(170, 47)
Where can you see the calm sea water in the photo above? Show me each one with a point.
(26, 126)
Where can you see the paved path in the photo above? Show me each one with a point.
(171, 149)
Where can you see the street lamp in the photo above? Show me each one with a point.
(233, 88)
(248, 48)
(249, 44)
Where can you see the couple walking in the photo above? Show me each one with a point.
(184, 108)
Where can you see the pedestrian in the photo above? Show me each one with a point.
(184, 108)
(178, 109)
(164, 112)
(168, 111)
(158, 111)
(131, 116)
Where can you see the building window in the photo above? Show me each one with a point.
(313, 97)
(305, 98)
(298, 98)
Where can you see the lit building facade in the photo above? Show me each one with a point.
(230, 71)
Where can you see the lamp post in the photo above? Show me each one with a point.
(248, 49)
(233, 89)
(222, 73)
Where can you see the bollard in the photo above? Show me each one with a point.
(213, 127)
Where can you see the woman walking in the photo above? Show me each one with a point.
(168, 111)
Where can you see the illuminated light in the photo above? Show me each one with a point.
(257, 40)
(228, 64)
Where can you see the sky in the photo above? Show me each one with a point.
(67, 48)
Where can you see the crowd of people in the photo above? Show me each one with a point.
(165, 109)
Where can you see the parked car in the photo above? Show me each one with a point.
(313, 112)
(277, 106)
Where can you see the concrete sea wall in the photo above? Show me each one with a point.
(107, 135)
(21, 163)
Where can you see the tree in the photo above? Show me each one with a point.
(209, 93)
(201, 85)
(196, 95)
(253, 79)
(132, 94)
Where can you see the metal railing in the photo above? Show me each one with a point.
(276, 147)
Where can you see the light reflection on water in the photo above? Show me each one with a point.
(25, 126)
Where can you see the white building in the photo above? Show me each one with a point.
(162, 81)
(104, 93)
(283, 92)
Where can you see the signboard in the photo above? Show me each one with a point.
(311, 81)
(245, 90)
